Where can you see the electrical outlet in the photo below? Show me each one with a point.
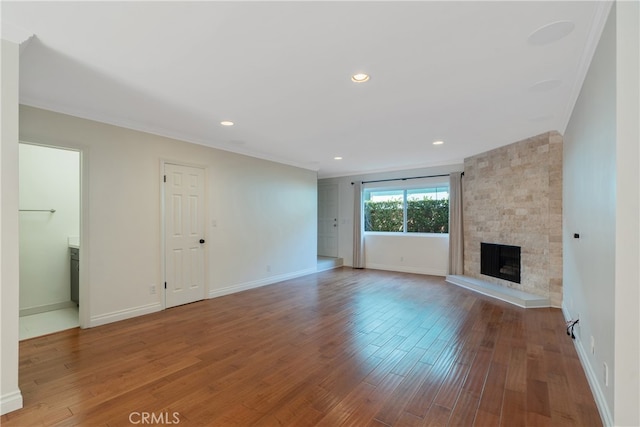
(401, 259)
(268, 268)
(152, 289)
(593, 345)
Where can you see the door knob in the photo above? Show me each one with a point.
(201, 240)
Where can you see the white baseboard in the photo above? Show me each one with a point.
(329, 265)
(213, 293)
(10, 402)
(592, 379)
(407, 269)
(327, 268)
(47, 307)
(103, 319)
(128, 313)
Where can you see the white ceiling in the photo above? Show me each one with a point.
(462, 72)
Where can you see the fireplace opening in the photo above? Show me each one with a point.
(501, 261)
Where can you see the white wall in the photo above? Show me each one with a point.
(265, 213)
(410, 253)
(49, 178)
(601, 204)
(589, 208)
(10, 396)
(627, 268)
(425, 254)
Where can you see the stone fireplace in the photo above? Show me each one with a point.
(512, 196)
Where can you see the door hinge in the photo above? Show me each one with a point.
(165, 178)
(165, 285)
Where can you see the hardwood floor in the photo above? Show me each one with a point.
(342, 347)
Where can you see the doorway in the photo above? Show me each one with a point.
(49, 229)
(328, 220)
(184, 234)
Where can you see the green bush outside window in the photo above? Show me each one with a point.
(422, 210)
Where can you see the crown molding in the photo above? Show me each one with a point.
(165, 133)
(595, 32)
(16, 35)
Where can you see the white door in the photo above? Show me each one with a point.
(184, 205)
(328, 220)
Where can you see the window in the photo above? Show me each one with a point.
(415, 210)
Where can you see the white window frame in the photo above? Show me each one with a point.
(404, 189)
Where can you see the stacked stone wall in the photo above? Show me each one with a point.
(513, 196)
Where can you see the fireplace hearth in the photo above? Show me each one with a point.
(501, 261)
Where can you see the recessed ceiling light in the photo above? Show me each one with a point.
(226, 123)
(551, 32)
(360, 78)
(337, 158)
(438, 142)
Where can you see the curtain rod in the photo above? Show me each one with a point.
(405, 179)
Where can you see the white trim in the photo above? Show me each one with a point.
(329, 266)
(46, 307)
(592, 379)
(10, 402)
(84, 309)
(15, 34)
(156, 130)
(128, 313)
(213, 293)
(405, 269)
(163, 278)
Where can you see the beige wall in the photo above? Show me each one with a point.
(260, 215)
(421, 254)
(513, 196)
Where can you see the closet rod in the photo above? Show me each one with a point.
(38, 210)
